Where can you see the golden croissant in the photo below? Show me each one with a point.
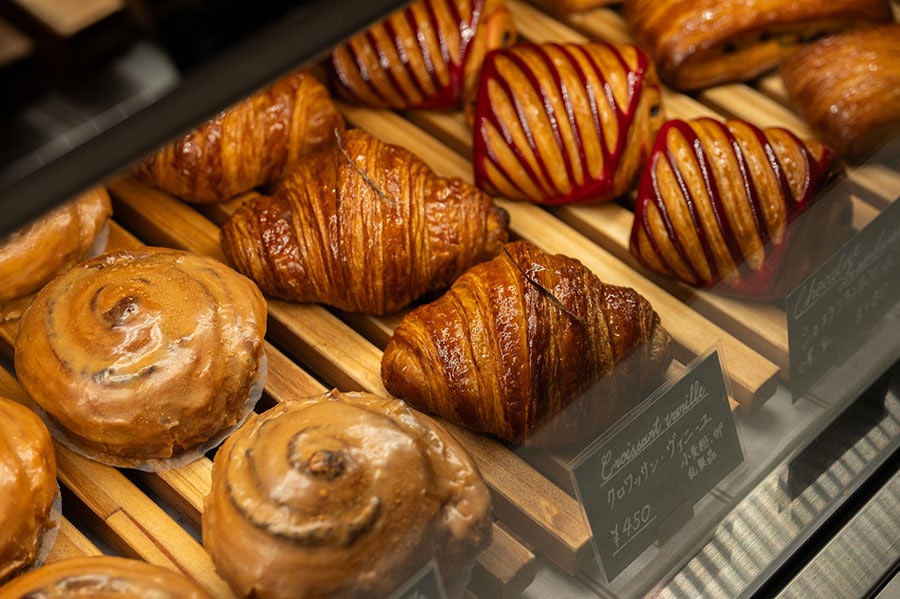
(249, 145)
(530, 347)
(425, 55)
(543, 132)
(700, 43)
(715, 204)
(366, 227)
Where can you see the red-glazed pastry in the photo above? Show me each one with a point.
(716, 200)
(560, 123)
(426, 55)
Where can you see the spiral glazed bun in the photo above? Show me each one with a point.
(102, 577)
(342, 495)
(34, 254)
(27, 487)
(143, 354)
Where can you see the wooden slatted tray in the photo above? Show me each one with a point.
(156, 516)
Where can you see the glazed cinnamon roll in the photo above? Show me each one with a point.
(342, 495)
(34, 254)
(144, 357)
(561, 123)
(28, 489)
(103, 577)
(700, 43)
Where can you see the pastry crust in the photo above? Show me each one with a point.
(701, 43)
(716, 203)
(847, 87)
(530, 347)
(342, 495)
(28, 487)
(34, 254)
(425, 55)
(103, 577)
(251, 144)
(364, 227)
(543, 133)
(144, 355)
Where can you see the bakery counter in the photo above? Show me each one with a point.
(541, 537)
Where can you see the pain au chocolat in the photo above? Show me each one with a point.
(144, 357)
(560, 123)
(847, 87)
(343, 495)
(700, 43)
(716, 203)
(530, 347)
(425, 55)
(248, 145)
(365, 227)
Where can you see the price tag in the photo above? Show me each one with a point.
(424, 584)
(681, 443)
(831, 312)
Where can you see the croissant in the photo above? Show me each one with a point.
(847, 87)
(365, 227)
(343, 495)
(543, 133)
(715, 202)
(426, 55)
(700, 43)
(530, 347)
(251, 144)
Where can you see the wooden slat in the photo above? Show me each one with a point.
(70, 542)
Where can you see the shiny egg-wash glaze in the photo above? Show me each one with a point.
(561, 123)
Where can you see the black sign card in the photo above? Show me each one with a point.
(832, 311)
(424, 584)
(668, 454)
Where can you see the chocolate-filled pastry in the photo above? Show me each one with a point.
(37, 252)
(103, 577)
(248, 145)
(701, 43)
(366, 227)
(530, 347)
(144, 357)
(28, 489)
(847, 87)
(343, 495)
(425, 55)
(716, 201)
(560, 123)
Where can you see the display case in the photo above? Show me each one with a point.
(796, 492)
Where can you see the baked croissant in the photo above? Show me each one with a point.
(847, 87)
(700, 43)
(425, 55)
(365, 227)
(249, 145)
(530, 347)
(715, 202)
(343, 495)
(544, 131)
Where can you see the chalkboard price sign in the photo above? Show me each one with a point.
(831, 312)
(681, 443)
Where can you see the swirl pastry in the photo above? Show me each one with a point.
(28, 488)
(102, 577)
(342, 495)
(700, 43)
(366, 227)
(530, 347)
(847, 87)
(425, 55)
(249, 145)
(144, 357)
(34, 254)
(543, 133)
(716, 200)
